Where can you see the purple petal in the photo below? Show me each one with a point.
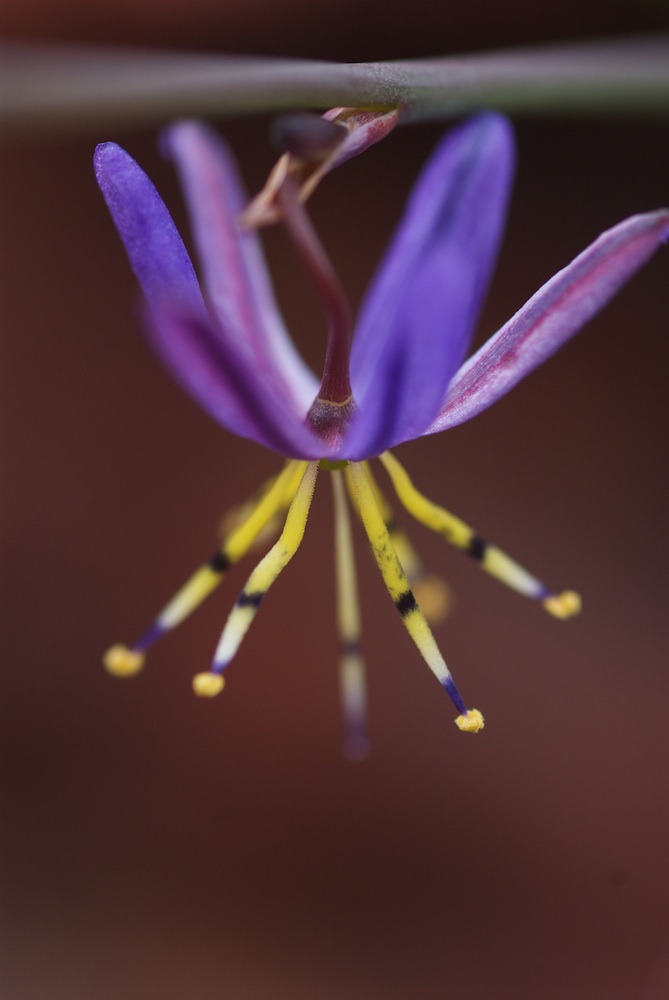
(214, 369)
(215, 372)
(418, 317)
(554, 314)
(234, 272)
(161, 262)
(156, 251)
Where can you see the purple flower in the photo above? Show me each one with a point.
(399, 375)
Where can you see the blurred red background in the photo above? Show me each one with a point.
(159, 846)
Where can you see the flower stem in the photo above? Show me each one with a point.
(49, 88)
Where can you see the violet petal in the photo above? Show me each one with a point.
(156, 251)
(554, 314)
(418, 317)
(234, 272)
(212, 369)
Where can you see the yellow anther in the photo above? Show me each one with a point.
(472, 722)
(208, 685)
(122, 662)
(563, 605)
(434, 597)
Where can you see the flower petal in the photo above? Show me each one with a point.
(555, 313)
(210, 366)
(156, 251)
(215, 372)
(234, 272)
(418, 317)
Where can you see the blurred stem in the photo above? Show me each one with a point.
(48, 88)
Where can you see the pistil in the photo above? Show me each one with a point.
(332, 409)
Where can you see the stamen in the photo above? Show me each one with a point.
(351, 663)
(266, 572)
(395, 580)
(432, 594)
(564, 605)
(208, 685)
(472, 722)
(490, 558)
(334, 405)
(124, 661)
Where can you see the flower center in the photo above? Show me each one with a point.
(332, 409)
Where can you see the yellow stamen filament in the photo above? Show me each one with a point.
(268, 569)
(353, 688)
(472, 722)
(208, 685)
(348, 610)
(394, 576)
(457, 533)
(122, 662)
(432, 594)
(207, 578)
(351, 663)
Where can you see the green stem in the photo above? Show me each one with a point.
(46, 88)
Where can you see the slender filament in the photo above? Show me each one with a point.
(262, 577)
(352, 683)
(431, 592)
(125, 661)
(402, 596)
(489, 557)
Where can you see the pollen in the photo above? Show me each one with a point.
(564, 605)
(471, 722)
(208, 685)
(120, 661)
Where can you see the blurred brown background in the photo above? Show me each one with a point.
(157, 846)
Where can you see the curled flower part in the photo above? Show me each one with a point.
(394, 375)
(312, 152)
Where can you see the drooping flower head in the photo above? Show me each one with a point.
(397, 375)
